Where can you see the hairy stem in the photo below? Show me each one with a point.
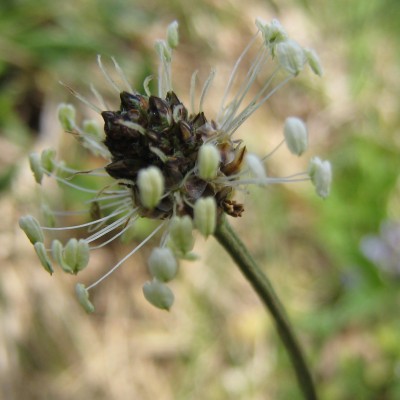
(261, 284)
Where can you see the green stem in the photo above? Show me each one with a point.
(239, 253)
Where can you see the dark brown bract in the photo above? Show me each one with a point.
(150, 131)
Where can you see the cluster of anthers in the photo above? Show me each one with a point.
(171, 164)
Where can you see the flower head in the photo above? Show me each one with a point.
(170, 163)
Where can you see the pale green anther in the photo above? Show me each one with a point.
(36, 167)
(151, 186)
(60, 172)
(163, 264)
(181, 234)
(66, 116)
(70, 253)
(320, 173)
(158, 294)
(47, 159)
(272, 32)
(314, 61)
(172, 35)
(291, 56)
(83, 255)
(92, 128)
(296, 136)
(48, 216)
(261, 24)
(32, 229)
(163, 50)
(205, 215)
(83, 297)
(76, 254)
(57, 251)
(42, 255)
(208, 161)
(255, 166)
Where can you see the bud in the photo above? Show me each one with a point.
(181, 234)
(314, 61)
(295, 132)
(83, 297)
(320, 173)
(42, 255)
(48, 159)
(208, 161)
(158, 294)
(256, 166)
(92, 128)
(205, 215)
(36, 167)
(291, 56)
(57, 251)
(162, 264)
(32, 229)
(151, 186)
(66, 116)
(76, 254)
(172, 35)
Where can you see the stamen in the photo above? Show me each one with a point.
(128, 203)
(99, 97)
(125, 194)
(238, 121)
(116, 266)
(69, 213)
(206, 87)
(106, 75)
(260, 60)
(111, 227)
(193, 81)
(130, 223)
(122, 75)
(146, 85)
(121, 193)
(256, 66)
(76, 172)
(81, 98)
(67, 183)
(234, 72)
(98, 148)
(273, 151)
(48, 228)
(266, 85)
(86, 211)
(265, 181)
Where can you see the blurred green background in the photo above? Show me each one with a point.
(334, 263)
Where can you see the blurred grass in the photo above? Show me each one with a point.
(217, 342)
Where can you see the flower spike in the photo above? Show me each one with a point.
(168, 162)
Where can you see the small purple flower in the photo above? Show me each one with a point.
(384, 249)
